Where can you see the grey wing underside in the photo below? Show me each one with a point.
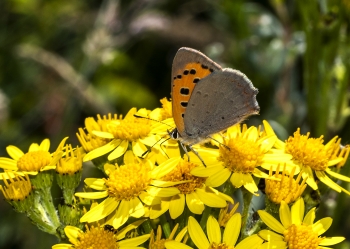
(219, 101)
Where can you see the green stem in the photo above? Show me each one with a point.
(47, 204)
(146, 225)
(247, 198)
(204, 217)
(165, 226)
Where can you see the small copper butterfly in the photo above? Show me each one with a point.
(207, 99)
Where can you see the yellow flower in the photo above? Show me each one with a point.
(37, 159)
(124, 132)
(193, 192)
(127, 188)
(157, 242)
(287, 189)
(311, 156)
(100, 237)
(71, 162)
(238, 159)
(296, 231)
(215, 239)
(163, 113)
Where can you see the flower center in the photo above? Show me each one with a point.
(309, 151)
(182, 173)
(96, 237)
(128, 181)
(287, 189)
(158, 244)
(71, 163)
(18, 189)
(243, 156)
(130, 128)
(214, 245)
(34, 160)
(301, 236)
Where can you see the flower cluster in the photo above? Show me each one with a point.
(153, 194)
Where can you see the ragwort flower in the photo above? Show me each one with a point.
(296, 231)
(311, 156)
(127, 188)
(215, 239)
(238, 159)
(100, 237)
(193, 192)
(124, 132)
(37, 159)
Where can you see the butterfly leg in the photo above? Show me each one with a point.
(197, 154)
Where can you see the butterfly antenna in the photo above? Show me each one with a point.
(137, 116)
(219, 142)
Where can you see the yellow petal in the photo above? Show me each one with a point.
(163, 192)
(148, 199)
(34, 147)
(210, 199)
(177, 205)
(218, 178)
(326, 180)
(103, 134)
(165, 168)
(129, 157)
(197, 235)
(101, 211)
(237, 179)
(271, 222)
(331, 241)
(133, 242)
(136, 208)
(73, 234)
(62, 246)
(14, 152)
(122, 233)
(322, 225)
(252, 242)
(45, 144)
(95, 183)
(7, 163)
(194, 204)
(202, 171)
(213, 231)
(285, 215)
(250, 185)
(119, 151)
(310, 217)
(269, 235)
(297, 211)
(159, 209)
(138, 148)
(92, 195)
(176, 245)
(310, 180)
(232, 229)
(102, 150)
(122, 214)
(338, 176)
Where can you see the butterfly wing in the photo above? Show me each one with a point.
(189, 66)
(219, 101)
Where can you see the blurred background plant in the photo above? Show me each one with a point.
(62, 61)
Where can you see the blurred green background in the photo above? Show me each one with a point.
(63, 60)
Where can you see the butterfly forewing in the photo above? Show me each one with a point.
(189, 68)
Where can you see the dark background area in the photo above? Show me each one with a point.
(62, 61)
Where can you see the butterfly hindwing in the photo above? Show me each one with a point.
(220, 100)
(189, 68)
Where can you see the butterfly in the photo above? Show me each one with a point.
(207, 99)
